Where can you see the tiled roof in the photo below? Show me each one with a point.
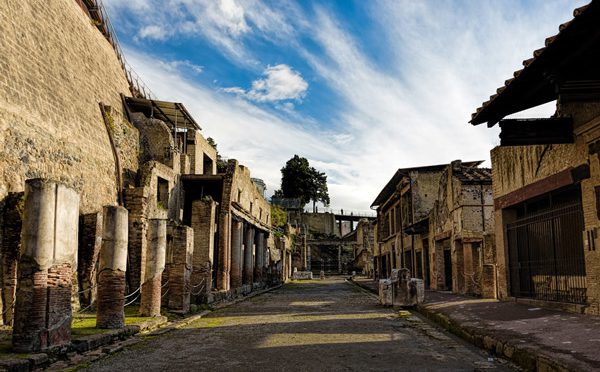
(474, 175)
(509, 95)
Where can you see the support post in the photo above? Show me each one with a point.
(237, 257)
(248, 255)
(181, 269)
(48, 260)
(155, 264)
(111, 269)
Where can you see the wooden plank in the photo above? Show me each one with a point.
(523, 132)
(556, 181)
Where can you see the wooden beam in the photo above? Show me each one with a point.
(564, 178)
(523, 132)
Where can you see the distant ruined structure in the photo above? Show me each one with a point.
(437, 222)
(106, 191)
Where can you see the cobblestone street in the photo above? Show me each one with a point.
(313, 325)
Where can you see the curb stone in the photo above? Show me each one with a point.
(528, 357)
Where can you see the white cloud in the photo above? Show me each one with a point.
(174, 66)
(152, 32)
(280, 83)
(223, 23)
(256, 137)
(410, 110)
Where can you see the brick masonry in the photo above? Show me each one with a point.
(180, 269)
(203, 223)
(539, 162)
(111, 298)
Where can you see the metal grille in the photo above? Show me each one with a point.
(546, 258)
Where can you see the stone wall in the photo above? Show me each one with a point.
(317, 223)
(519, 166)
(55, 69)
(246, 196)
(198, 149)
(424, 187)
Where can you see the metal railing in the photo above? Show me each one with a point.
(546, 257)
(137, 86)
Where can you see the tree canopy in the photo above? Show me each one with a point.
(300, 180)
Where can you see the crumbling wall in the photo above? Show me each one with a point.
(198, 148)
(424, 188)
(516, 166)
(247, 197)
(55, 69)
(156, 140)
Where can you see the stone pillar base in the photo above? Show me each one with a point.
(151, 292)
(111, 299)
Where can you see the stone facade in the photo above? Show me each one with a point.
(460, 221)
(437, 220)
(403, 208)
(365, 247)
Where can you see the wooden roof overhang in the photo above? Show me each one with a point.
(566, 67)
(172, 113)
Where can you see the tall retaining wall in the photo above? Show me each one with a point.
(55, 69)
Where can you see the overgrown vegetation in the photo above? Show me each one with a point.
(278, 216)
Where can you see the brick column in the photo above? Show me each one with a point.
(9, 251)
(46, 266)
(468, 269)
(248, 254)
(111, 269)
(237, 258)
(203, 223)
(181, 269)
(259, 241)
(224, 262)
(136, 202)
(155, 264)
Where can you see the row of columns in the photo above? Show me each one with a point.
(248, 254)
(43, 312)
(48, 261)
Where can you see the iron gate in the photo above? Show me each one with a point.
(546, 257)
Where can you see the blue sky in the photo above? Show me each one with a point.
(360, 88)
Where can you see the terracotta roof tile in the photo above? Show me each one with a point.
(536, 54)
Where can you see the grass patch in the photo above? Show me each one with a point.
(7, 353)
(207, 323)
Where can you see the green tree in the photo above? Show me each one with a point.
(300, 180)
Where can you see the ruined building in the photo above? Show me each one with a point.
(404, 222)
(107, 191)
(546, 171)
(403, 207)
(461, 228)
(363, 240)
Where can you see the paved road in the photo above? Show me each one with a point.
(310, 326)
